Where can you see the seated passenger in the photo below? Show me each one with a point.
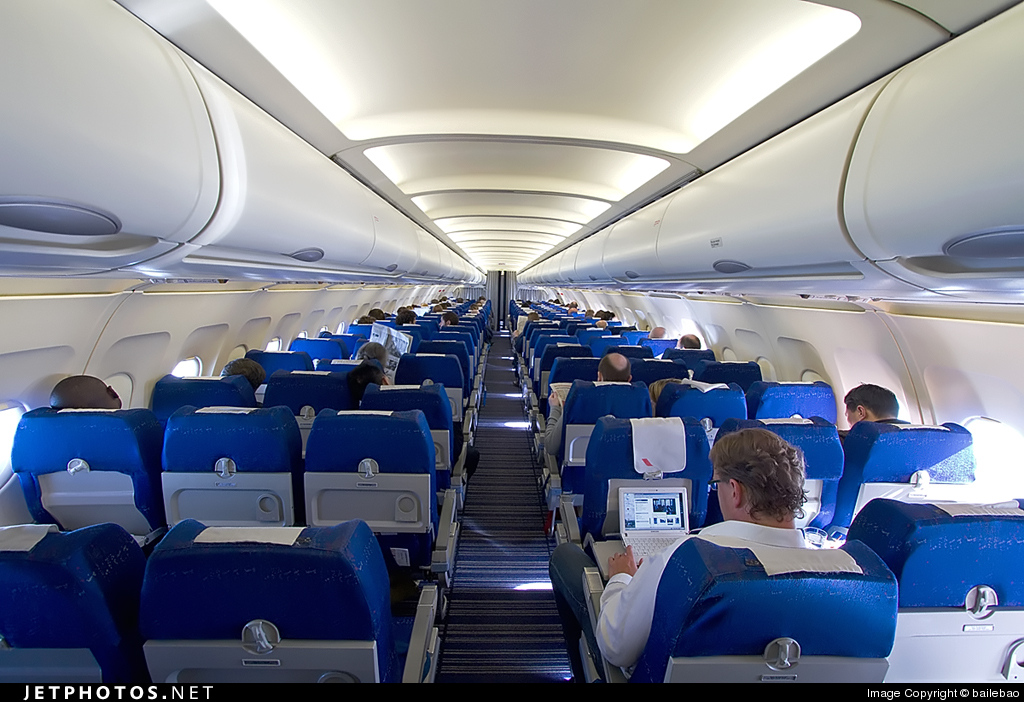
(250, 369)
(613, 368)
(759, 479)
(84, 392)
(521, 323)
(377, 313)
(871, 403)
(689, 341)
(367, 319)
(657, 386)
(657, 333)
(373, 351)
(362, 375)
(449, 319)
(405, 316)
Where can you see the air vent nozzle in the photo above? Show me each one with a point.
(1004, 242)
(730, 266)
(308, 255)
(55, 217)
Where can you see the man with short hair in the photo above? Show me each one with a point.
(449, 319)
(759, 479)
(613, 368)
(405, 317)
(250, 369)
(84, 392)
(871, 403)
(689, 341)
(657, 333)
(377, 313)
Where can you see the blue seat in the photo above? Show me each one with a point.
(715, 602)
(716, 404)
(659, 346)
(318, 390)
(769, 399)
(743, 374)
(363, 330)
(380, 468)
(961, 597)
(273, 361)
(78, 468)
(688, 356)
(321, 348)
(314, 601)
(566, 370)
(69, 606)
(458, 349)
(823, 458)
(648, 370)
(171, 393)
(610, 458)
(413, 369)
(233, 468)
(585, 404)
(634, 338)
(601, 344)
(911, 462)
(414, 332)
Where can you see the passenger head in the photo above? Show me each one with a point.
(377, 313)
(614, 367)
(366, 373)
(84, 392)
(657, 387)
(759, 478)
(533, 317)
(449, 319)
(367, 319)
(437, 308)
(657, 333)
(250, 369)
(573, 306)
(601, 324)
(405, 317)
(689, 341)
(373, 351)
(871, 403)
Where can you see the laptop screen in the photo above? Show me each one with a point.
(654, 509)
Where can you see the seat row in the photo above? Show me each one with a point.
(209, 605)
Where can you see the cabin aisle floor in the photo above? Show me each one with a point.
(502, 624)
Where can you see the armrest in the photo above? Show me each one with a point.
(447, 537)
(593, 588)
(421, 661)
(567, 513)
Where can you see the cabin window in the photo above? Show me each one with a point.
(342, 326)
(237, 352)
(274, 344)
(767, 369)
(10, 415)
(302, 335)
(191, 367)
(728, 354)
(323, 329)
(997, 451)
(809, 376)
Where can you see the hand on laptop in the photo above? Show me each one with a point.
(623, 563)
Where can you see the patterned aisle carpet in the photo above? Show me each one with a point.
(502, 624)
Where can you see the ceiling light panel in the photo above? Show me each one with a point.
(571, 209)
(394, 68)
(451, 225)
(437, 166)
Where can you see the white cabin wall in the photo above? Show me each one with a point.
(143, 331)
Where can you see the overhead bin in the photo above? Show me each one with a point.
(396, 244)
(589, 253)
(106, 161)
(936, 180)
(630, 249)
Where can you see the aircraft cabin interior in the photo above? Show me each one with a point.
(825, 194)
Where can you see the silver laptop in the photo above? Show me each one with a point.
(652, 518)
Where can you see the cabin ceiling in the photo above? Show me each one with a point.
(511, 130)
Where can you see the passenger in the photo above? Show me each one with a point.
(437, 308)
(613, 368)
(759, 479)
(372, 351)
(363, 375)
(405, 316)
(377, 313)
(84, 392)
(367, 319)
(871, 403)
(521, 323)
(449, 319)
(601, 324)
(656, 389)
(250, 369)
(689, 341)
(657, 333)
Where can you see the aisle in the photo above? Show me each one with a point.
(495, 632)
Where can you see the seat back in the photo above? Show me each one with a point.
(648, 370)
(317, 390)
(566, 370)
(600, 345)
(413, 369)
(457, 349)
(394, 492)
(716, 404)
(743, 373)
(232, 468)
(769, 399)
(610, 466)
(961, 598)
(688, 356)
(273, 361)
(904, 462)
(69, 605)
(659, 346)
(718, 612)
(171, 393)
(83, 467)
(268, 605)
(321, 348)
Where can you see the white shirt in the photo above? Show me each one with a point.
(627, 604)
